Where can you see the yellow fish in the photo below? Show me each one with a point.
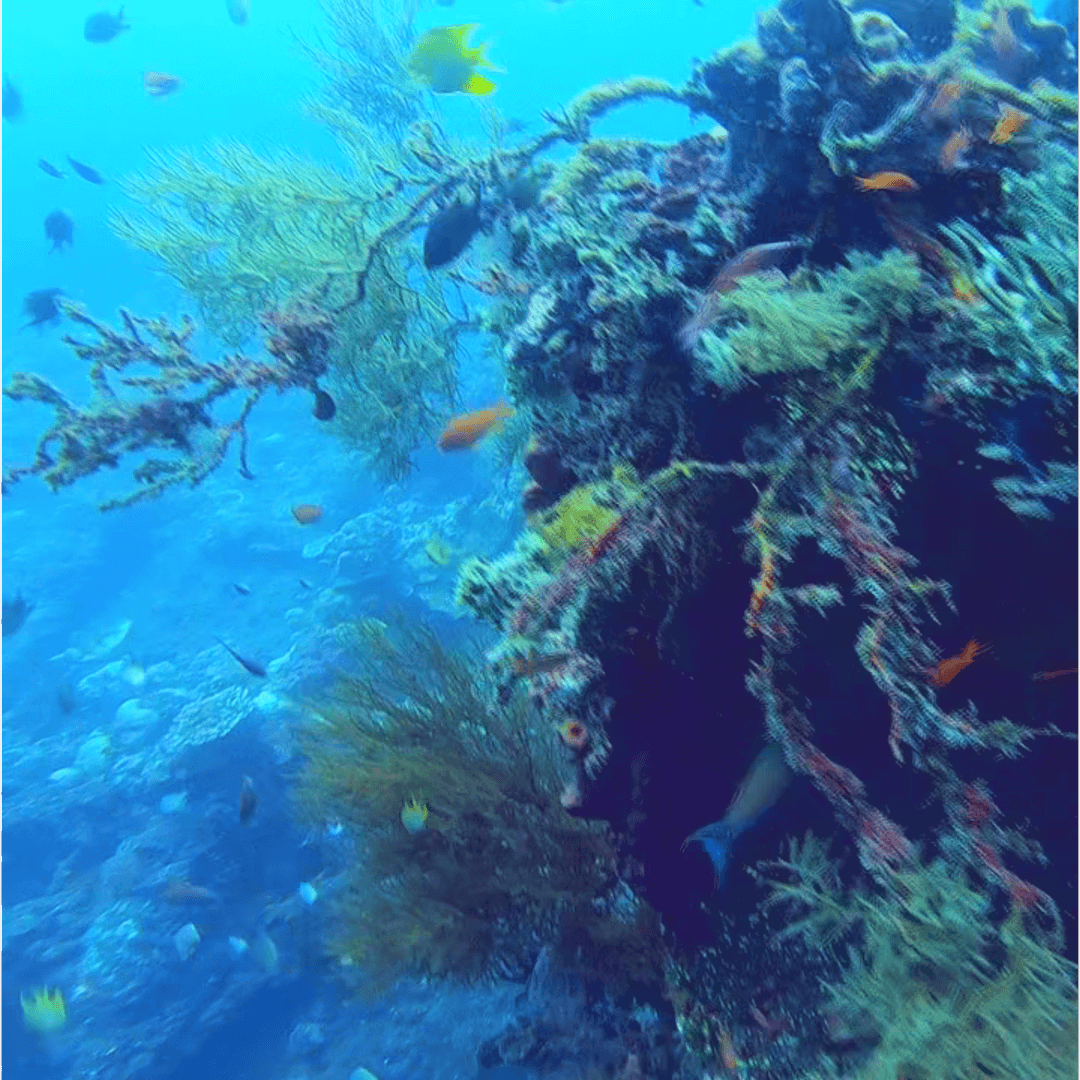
(442, 60)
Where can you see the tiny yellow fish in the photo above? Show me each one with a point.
(45, 1011)
(442, 60)
(438, 551)
(414, 816)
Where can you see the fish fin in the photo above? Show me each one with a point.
(716, 839)
(461, 33)
(477, 84)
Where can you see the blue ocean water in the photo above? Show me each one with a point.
(101, 812)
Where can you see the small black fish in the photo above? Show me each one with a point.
(13, 107)
(42, 307)
(325, 409)
(449, 233)
(52, 170)
(65, 698)
(249, 801)
(524, 190)
(239, 11)
(86, 172)
(251, 666)
(305, 584)
(243, 590)
(15, 613)
(60, 229)
(104, 26)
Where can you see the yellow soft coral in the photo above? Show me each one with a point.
(44, 1011)
(576, 518)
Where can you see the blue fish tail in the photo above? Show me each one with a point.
(716, 839)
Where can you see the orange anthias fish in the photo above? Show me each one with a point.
(957, 144)
(886, 181)
(1041, 676)
(463, 431)
(948, 94)
(1010, 121)
(158, 84)
(951, 666)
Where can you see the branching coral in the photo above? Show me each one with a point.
(170, 409)
(393, 371)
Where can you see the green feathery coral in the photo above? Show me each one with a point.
(240, 232)
(951, 991)
(1028, 274)
(811, 322)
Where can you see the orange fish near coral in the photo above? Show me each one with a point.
(951, 666)
(948, 94)
(1010, 121)
(886, 181)
(158, 84)
(306, 513)
(952, 153)
(463, 431)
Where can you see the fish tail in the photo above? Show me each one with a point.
(716, 839)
